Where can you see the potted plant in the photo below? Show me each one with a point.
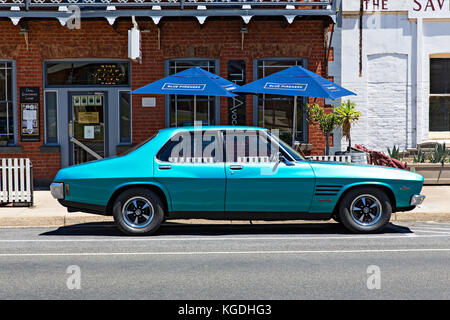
(3, 141)
(347, 115)
(327, 122)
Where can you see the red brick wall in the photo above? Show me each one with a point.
(183, 38)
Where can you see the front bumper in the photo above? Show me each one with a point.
(57, 190)
(417, 199)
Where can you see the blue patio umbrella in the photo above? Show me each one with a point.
(295, 81)
(194, 81)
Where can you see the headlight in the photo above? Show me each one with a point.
(57, 190)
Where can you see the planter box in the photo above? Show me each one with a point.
(433, 173)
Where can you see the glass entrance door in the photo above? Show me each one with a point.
(87, 110)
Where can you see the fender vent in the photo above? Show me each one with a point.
(331, 190)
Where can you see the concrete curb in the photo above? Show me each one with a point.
(71, 220)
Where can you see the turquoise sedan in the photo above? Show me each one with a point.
(236, 173)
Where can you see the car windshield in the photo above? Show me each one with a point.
(139, 145)
(294, 154)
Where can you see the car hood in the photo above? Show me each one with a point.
(350, 170)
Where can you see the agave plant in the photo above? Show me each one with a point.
(394, 153)
(347, 115)
(420, 157)
(440, 154)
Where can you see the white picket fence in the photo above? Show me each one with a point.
(16, 180)
(331, 158)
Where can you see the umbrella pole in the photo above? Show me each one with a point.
(195, 110)
(294, 121)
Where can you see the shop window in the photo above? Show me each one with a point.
(51, 117)
(276, 111)
(440, 94)
(125, 116)
(70, 73)
(182, 111)
(6, 103)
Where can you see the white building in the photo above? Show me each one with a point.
(399, 65)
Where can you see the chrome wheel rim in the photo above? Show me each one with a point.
(366, 210)
(137, 212)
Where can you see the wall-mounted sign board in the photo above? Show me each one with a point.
(427, 9)
(29, 106)
(148, 102)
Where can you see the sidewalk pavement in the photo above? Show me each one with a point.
(48, 212)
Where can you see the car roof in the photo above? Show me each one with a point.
(192, 128)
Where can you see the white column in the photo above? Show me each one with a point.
(419, 119)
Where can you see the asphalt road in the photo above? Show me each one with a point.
(279, 261)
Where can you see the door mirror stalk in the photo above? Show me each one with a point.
(282, 158)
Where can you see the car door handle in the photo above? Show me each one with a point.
(165, 167)
(236, 167)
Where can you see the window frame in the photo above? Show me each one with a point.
(437, 95)
(301, 100)
(167, 106)
(45, 118)
(119, 119)
(269, 138)
(215, 132)
(13, 99)
(220, 134)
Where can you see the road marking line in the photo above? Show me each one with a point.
(433, 228)
(438, 223)
(219, 252)
(433, 231)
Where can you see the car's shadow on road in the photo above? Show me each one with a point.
(215, 229)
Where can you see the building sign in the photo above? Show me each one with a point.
(430, 9)
(415, 8)
(148, 102)
(29, 103)
(88, 117)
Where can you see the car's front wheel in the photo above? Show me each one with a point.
(138, 211)
(365, 210)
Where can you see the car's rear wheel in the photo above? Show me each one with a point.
(138, 211)
(365, 210)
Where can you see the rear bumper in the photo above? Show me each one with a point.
(57, 190)
(83, 207)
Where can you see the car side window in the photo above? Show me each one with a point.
(249, 146)
(192, 147)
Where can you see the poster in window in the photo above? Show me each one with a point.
(29, 103)
(30, 121)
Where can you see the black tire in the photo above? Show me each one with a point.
(371, 210)
(131, 209)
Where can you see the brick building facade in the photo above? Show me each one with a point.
(37, 52)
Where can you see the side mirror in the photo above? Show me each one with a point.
(283, 159)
